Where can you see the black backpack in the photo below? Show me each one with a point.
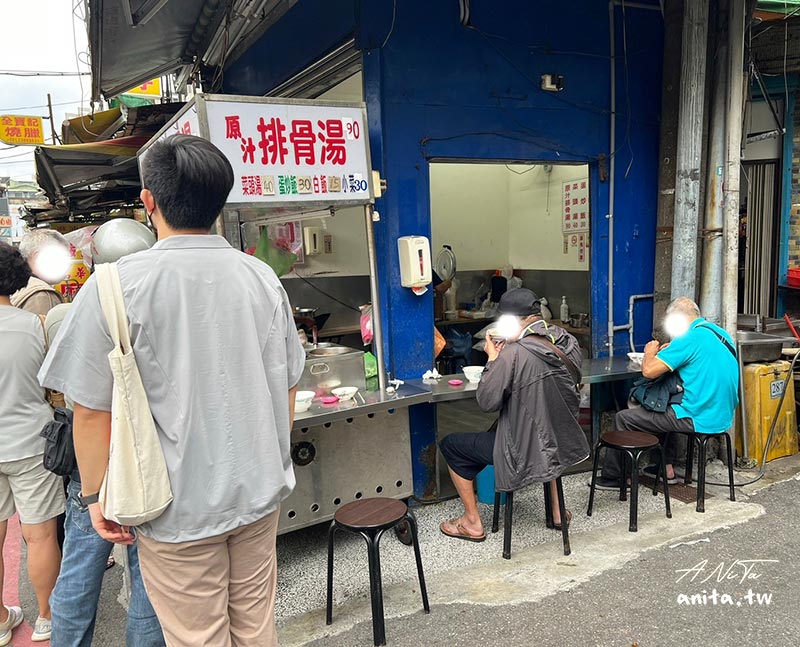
(59, 450)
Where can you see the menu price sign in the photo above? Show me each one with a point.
(292, 153)
(575, 207)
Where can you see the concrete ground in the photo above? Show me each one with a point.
(617, 588)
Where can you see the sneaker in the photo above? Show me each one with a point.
(41, 630)
(604, 483)
(650, 471)
(13, 621)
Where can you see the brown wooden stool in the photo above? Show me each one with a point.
(633, 444)
(371, 518)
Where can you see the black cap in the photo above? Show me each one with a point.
(520, 302)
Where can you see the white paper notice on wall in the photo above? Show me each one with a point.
(575, 207)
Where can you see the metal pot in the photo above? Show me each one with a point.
(580, 320)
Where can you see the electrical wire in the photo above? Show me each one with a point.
(63, 103)
(323, 292)
(627, 89)
(391, 27)
(785, 80)
(29, 73)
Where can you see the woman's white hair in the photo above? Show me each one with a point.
(35, 239)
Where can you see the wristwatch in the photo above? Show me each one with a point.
(89, 499)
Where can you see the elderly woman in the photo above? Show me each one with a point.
(47, 254)
(537, 435)
(26, 487)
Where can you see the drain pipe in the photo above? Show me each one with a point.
(611, 169)
(629, 326)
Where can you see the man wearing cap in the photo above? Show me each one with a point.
(531, 380)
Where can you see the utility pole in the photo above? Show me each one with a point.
(730, 279)
(711, 276)
(671, 81)
(690, 146)
(52, 123)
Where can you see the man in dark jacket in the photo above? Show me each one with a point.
(537, 435)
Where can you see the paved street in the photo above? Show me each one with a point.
(638, 603)
(616, 589)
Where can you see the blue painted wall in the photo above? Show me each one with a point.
(439, 90)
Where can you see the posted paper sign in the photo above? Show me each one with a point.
(575, 211)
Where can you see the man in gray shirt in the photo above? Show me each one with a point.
(213, 336)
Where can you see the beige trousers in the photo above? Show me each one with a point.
(216, 592)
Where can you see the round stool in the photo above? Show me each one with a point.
(371, 518)
(633, 444)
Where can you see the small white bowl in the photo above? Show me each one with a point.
(473, 373)
(345, 393)
(303, 400)
(636, 358)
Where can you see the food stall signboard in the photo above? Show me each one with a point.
(149, 89)
(575, 207)
(20, 130)
(285, 153)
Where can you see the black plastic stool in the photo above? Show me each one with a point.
(371, 518)
(548, 511)
(633, 444)
(702, 441)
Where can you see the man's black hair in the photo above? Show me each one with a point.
(190, 180)
(14, 270)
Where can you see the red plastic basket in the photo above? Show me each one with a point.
(794, 277)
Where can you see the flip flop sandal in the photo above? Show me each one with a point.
(462, 532)
(559, 527)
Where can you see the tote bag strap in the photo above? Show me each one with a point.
(111, 300)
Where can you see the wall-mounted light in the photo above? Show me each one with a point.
(552, 82)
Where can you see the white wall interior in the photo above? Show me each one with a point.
(469, 212)
(759, 119)
(536, 240)
(347, 227)
(498, 214)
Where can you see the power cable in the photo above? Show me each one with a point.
(29, 73)
(391, 27)
(323, 292)
(63, 103)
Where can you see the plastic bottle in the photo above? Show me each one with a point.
(564, 312)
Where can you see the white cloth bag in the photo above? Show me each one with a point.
(136, 486)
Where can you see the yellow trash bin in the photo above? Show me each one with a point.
(763, 385)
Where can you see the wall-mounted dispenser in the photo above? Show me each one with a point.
(415, 261)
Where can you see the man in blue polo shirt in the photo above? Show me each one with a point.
(704, 357)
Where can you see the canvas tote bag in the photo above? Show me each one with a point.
(136, 486)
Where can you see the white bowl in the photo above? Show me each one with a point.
(473, 373)
(636, 358)
(303, 400)
(345, 393)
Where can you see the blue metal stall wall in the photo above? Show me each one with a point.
(437, 89)
(310, 29)
(446, 91)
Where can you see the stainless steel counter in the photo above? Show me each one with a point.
(595, 371)
(363, 404)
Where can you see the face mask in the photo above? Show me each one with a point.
(676, 325)
(508, 326)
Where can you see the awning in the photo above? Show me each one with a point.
(68, 172)
(134, 41)
(93, 127)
